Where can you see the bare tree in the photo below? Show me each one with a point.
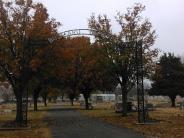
(118, 48)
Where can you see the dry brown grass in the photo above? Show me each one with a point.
(171, 121)
(37, 127)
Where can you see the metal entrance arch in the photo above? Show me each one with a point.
(77, 32)
(142, 113)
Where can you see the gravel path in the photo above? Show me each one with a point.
(69, 123)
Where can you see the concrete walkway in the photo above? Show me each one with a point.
(69, 123)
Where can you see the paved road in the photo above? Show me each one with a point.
(68, 123)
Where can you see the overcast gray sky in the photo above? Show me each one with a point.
(167, 17)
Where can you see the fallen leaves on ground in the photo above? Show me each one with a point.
(37, 127)
(170, 121)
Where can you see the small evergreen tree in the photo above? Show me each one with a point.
(168, 79)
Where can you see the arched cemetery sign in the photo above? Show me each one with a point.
(77, 32)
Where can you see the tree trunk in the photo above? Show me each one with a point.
(19, 92)
(19, 114)
(86, 103)
(71, 100)
(44, 100)
(86, 97)
(62, 97)
(35, 97)
(173, 101)
(124, 100)
(35, 103)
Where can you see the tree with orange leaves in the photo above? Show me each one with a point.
(71, 51)
(24, 31)
(83, 71)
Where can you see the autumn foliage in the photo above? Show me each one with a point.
(25, 28)
(34, 56)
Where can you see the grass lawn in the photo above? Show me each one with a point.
(37, 128)
(171, 123)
